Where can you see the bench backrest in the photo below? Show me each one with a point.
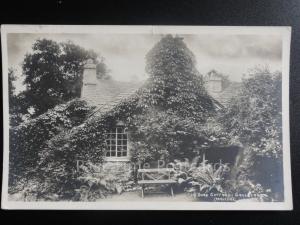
(155, 174)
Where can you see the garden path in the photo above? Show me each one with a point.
(136, 196)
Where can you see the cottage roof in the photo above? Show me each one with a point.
(108, 93)
(225, 95)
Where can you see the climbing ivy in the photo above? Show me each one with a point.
(29, 138)
(166, 118)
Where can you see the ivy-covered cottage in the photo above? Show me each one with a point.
(175, 116)
(169, 117)
(105, 94)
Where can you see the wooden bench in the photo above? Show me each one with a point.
(155, 177)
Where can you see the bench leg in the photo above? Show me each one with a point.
(142, 191)
(172, 193)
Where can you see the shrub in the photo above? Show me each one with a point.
(201, 177)
(254, 119)
(97, 181)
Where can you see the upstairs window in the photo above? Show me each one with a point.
(116, 142)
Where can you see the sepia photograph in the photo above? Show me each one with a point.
(146, 117)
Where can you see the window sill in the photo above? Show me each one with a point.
(116, 159)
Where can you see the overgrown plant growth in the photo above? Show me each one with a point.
(259, 131)
(170, 117)
(29, 139)
(53, 74)
(165, 117)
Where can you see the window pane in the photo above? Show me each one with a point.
(120, 130)
(117, 143)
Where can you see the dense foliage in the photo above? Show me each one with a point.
(57, 160)
(166, 116)
(176, 84)
(254, 120)
(199, 177)
(99, 181)
(15, 102)
(170, 117)
(53, 73)
(28, 140)
(175, 103)
(102, 70)
(165, 135)
(148, 113)
(255, 116)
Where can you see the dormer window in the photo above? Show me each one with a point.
(216, 85)
(117, 143)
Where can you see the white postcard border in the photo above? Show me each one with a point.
(230, 30)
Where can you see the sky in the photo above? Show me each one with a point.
(232, 55)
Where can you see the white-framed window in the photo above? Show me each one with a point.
(117, 142)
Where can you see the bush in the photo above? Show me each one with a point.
(247, 189)
(254, 119)
(98, 181)
(198, 178)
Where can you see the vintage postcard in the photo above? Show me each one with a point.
(146, 117)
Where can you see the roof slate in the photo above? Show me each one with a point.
(229, 92)
(108, 93)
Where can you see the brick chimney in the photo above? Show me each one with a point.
(89, 80)
(214, 82)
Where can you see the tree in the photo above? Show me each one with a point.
(11, 86)
(101, 70)
(255, 116)
(254, 119)
(15, 114)
(53, 73)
